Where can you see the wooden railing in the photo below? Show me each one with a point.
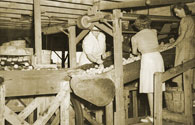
(159, 114)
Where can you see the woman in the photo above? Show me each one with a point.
(185, 45)
(146, 42)
(94, 47)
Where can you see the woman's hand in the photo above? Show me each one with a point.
(171, 40)
(107, 54)
(99, 61)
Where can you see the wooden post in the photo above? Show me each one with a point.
(64, 106)
(109, 114)
(135, 104)
(37, 29)
(158, 99)
(2, 103)
(72, 46)
(98, 115)
(188, 81)
(119, 118)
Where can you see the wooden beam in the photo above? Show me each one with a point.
(108, 5)
(34, 82)
(90, 119)
(104, 28)
(72, 46)
(37, 27)
(81, 35)
(128, 16)
(88, 2)
(53, 29)
(52, 3)
(2, 102)
(177, 117)
(178, 70)
(119, 118)
(28, 110)
(51, 8)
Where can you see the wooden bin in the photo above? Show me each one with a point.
(174, 100)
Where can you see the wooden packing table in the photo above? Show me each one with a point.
(33, 82)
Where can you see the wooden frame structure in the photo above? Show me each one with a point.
(159, 114)
(119, 116)
(60, 103)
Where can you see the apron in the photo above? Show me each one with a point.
(150, 63)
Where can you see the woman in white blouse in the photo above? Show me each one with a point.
(94, 46)
(146, 42)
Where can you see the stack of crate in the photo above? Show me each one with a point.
(15, 56)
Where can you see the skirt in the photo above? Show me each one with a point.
(150, 63)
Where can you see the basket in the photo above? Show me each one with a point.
(174, 101)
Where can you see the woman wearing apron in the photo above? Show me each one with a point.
(146, 42)
(94, 46)
(185, 43)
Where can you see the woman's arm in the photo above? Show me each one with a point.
(94, 59)
(183, 29)
(134, 46)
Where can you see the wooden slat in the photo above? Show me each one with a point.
(63, 10)
(106, 5)
(13, 118)
(128, 16)
(56, 120)
(53, 105)
(2, 103)
(64, 106)
(65, 5)
(28, 110)
(53, 3)
(28, 7)
(15, 11)
(54, 29)
(90, 119)
(10, 15)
